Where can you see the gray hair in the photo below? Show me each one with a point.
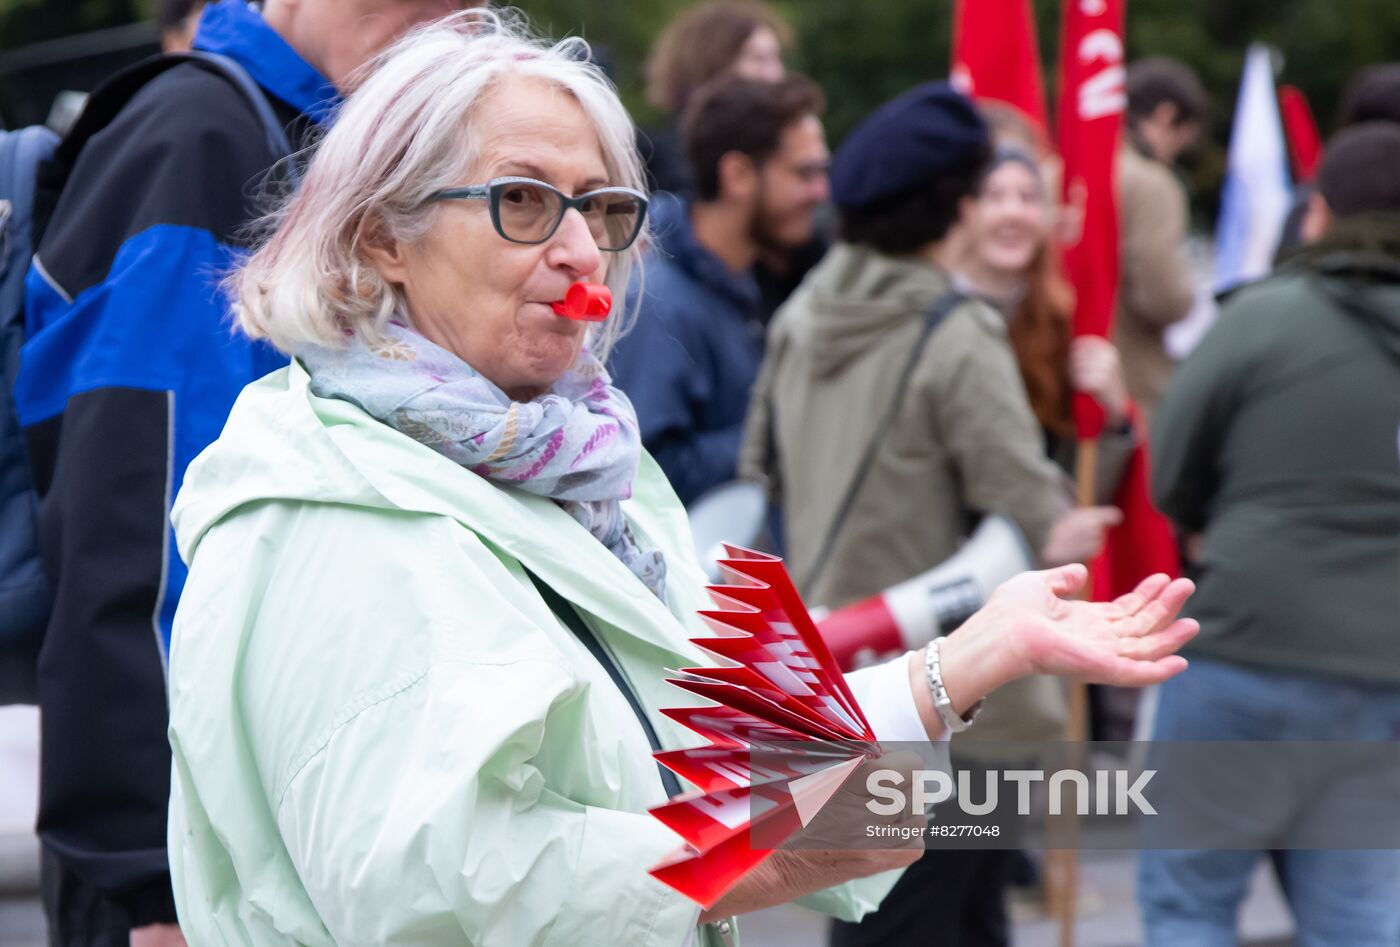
(403, 134)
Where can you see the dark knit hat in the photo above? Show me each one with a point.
(905, 143)
(1360, 172)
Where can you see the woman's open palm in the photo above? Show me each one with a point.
(1130, 642)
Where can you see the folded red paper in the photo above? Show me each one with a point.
(778, 690)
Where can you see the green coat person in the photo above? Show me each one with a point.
(399, 708)
(382, 734)
(964, 440)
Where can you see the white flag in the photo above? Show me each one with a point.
(1258, 192)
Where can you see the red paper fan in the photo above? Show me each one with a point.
(781, 692)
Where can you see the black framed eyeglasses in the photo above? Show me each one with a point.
(524, 210)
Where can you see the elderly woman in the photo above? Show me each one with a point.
(434, 581)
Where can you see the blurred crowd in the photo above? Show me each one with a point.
(880, 336)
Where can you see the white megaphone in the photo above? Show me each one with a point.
(729, 513)
(914, 612)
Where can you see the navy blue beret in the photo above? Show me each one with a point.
(904, 143)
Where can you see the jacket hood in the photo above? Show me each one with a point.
(1358, 267)
(853, 298)
(1370, 291)
(273, 447)
(283, 443)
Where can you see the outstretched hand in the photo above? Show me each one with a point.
(1028, 626)
(1131, 641)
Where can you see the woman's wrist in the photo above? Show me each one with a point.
(975, 663)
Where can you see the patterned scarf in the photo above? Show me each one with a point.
(578, 444)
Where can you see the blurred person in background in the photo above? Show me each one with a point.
(130, 371)
(1007, 261)
(1372, 95)
(177, 21)
(1277, 443)
(1167, 108)
(759, 156)
(707, 43)
(877, 332)
(704, 42)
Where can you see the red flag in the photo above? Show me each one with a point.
(995, 55)
(1143, 544)
(1092, 101)
(1304, 142)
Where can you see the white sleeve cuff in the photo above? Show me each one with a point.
(884, 695)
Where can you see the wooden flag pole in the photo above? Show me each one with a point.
(1090, 121)
(1062, 861)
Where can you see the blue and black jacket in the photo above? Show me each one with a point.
(130, 371)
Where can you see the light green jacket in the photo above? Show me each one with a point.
(381, 733)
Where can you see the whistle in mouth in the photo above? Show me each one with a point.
(587, 302)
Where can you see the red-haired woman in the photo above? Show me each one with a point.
(1008, 261)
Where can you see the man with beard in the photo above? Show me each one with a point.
(759, 155)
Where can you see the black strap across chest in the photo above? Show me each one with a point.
(933, 317)
(575, 623)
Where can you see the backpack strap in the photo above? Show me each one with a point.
(273, 130)
(939, 311)
(571, 618)
(112, 96)
(24, 591)
(108, 99)
(21, 152)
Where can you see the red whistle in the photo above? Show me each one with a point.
(588, 302)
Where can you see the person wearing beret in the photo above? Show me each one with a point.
(890, 413)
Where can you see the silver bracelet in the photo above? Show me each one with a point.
(933, 668)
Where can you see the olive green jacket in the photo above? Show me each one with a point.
(1277, 441)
